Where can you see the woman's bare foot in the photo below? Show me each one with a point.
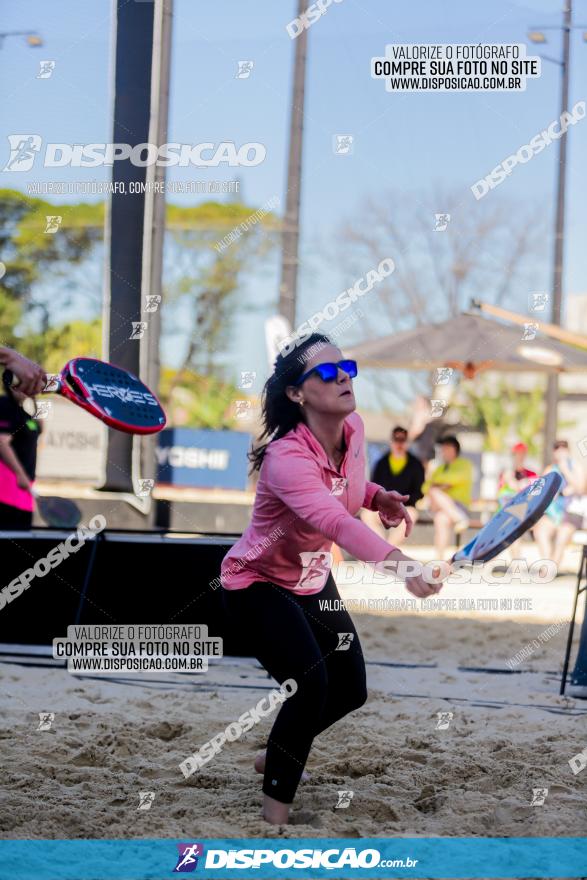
(260, 765)
(274, 811)
(260, 761)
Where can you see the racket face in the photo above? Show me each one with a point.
(519, 514)
(112, 394)
(59, 512)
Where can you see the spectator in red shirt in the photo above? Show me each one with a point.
(516, 478)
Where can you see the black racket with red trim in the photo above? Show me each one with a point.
(111, 394)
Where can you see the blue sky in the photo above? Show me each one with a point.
(411, 141)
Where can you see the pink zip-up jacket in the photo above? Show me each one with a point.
(302, 506)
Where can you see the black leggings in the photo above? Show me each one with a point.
(292, 637)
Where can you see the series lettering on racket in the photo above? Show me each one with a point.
(115, 396)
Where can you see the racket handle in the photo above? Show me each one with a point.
(53, 383)
(9, 380)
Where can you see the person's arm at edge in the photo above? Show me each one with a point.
(32, 377)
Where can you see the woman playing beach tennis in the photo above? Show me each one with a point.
(275, 578)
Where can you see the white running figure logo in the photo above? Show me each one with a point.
(315, 568)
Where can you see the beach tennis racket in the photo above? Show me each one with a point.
(519, 514)
(109, 393)
(61, 513)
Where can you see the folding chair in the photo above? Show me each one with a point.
(579, 676)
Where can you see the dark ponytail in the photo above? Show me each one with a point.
(280, 414)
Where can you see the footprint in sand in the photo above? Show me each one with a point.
(429, 800)
(413, 743)
(95, 698)
(358, 770)
(86, 758)
(415, 757)
(166, 730)
(305, 817)
(144, 704)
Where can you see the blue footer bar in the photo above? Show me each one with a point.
(376, 857)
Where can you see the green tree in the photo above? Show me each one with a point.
(32, 256)
(199, 401)
(502, 412)
(205, 272)
(58, 344)
(10, 315)
(208, 270)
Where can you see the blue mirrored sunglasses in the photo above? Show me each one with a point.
(329, 372)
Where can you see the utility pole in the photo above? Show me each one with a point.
(579, 676)
(154, 223)
(135, 221)
(552, 394)
(291, 223)
(125, 214)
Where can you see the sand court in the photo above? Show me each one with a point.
(452, 740)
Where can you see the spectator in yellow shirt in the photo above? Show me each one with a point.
(449, 492)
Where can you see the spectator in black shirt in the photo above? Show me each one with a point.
(403, 472)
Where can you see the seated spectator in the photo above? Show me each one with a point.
(402, 472)
(564, 514)
(449, 492)
(511, 481)
(516, 478)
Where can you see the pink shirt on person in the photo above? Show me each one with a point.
(302, 506)
(11, 493)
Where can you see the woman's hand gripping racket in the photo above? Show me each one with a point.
(109, 393)
(514, 519)
(519, 514)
